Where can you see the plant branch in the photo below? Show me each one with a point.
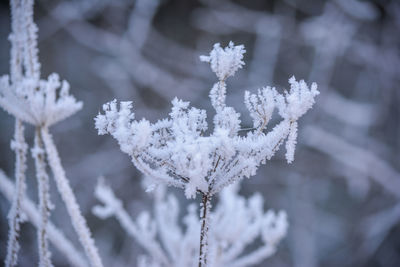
(44, 198)
(60, 242)
(63, 186)
(205, 222)
(14, 216)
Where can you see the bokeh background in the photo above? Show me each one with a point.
(341, 193)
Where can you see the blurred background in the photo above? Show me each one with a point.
(342, 191)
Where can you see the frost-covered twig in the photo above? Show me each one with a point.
(174, 151)
(14, 216)
(205, 224)
(142, 230)
(78, 221)
(18, 144)
(38, 154)
(56, 236)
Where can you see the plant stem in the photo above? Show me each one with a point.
(205, 222)
(63, 186)
(14, 216)
(44, 198)
(57, 238)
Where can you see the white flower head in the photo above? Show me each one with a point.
(225, 61)
(38, 102)
(179, 151)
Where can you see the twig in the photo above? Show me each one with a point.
(7, 188)
(44, 199)
(206, 208)
(78, 221)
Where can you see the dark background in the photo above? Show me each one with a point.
(341, 193)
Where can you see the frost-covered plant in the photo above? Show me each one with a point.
(175, 151)
(236, 223)
(31, 213)
(40, 103)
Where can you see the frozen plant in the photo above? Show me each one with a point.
(175, 151)
(237, 222)
(40, 103)
(31, 213)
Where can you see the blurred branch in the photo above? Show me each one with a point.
(354, 157)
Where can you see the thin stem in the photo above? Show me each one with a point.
(261, 128)
(147, 241)
(30, 52)
(56, 237)
(63, 186)
(18, 144)
(14, 216)
(44, 199)
(16, 44)
(205, 222)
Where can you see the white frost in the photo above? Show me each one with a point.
(235, 224)
(175, 150)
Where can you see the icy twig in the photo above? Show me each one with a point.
(143, 232)
(78, 221)
(45, 205)
(14, 216)
(57, 238)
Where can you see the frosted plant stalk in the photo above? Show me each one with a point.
(30, 212)
(41, 103)
(78, 221)
(14, 216)
(38, 154)
(18, 144)
(175, 151)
